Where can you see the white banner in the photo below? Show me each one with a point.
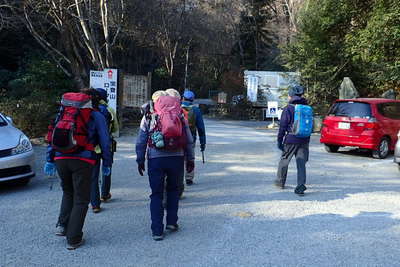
(108, 80)
(252, 88)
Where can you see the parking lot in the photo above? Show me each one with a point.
(232, 216)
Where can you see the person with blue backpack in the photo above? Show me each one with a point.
(294, 137)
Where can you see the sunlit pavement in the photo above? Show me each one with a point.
(232, 216)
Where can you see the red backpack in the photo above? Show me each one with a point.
(69, 132)
(170, 122)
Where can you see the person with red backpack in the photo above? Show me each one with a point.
(77, 129)
(165, 136)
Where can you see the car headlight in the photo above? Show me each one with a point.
(23, 146)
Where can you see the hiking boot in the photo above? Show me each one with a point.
(189, 182)
(105, 198)
(172, 227)
(75, 245)
(300, 190)
(158, 237)
(279, 184)
(60, 230)
(96, 209)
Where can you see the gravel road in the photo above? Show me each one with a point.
(232, 216)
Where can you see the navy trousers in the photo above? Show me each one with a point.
(161, 170)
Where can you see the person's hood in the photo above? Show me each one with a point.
(298, 100)
(9, 137)
(102, 102)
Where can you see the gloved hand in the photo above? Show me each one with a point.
(189, 166)
(141, 168)
(106, 171)
(202, 147)
(280, 146)
(50, 169)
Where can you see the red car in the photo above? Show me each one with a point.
(367, 123)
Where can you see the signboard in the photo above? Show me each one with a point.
(136, 90)
(269, 86)
(252, 88)
(108, 80)
(272, 110)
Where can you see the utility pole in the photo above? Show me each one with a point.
(187, 64)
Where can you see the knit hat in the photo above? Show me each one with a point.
(188, 95)
(173, 92)
(157, 94)
(296, 90)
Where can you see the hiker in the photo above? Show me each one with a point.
(196, 125)
(100, 99)
(294, 138)
(166, 138)
(77, 129)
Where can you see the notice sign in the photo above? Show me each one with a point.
(108, 80)
(272, 109)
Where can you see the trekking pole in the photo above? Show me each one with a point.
(202, 154)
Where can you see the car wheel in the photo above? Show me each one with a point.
(383, 149)
(331, 148)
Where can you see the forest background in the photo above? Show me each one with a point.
(47, 47)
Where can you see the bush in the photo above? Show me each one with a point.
(32, 115)
(31, 95)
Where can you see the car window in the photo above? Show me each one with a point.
(390, 110)
(351, 109)
(3, 122)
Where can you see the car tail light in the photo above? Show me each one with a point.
(371, 124)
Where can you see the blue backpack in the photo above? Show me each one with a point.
(303, 121)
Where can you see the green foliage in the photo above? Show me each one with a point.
(31, 94)
(30, 114)
(347, 38)
(377, 46)
(38, 75)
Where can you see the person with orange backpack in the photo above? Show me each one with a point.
(196, 124)
(166, 139)
(77, 129)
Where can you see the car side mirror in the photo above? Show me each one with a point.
(9, 119)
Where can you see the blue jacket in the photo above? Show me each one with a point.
(286, 123)
(98, 134)
(142, 141)
(201, 129)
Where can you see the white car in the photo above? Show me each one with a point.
(16, 153)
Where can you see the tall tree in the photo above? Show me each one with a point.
(77, 34)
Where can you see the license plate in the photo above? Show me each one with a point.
(344, 125)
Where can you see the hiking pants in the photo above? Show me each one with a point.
(94, 192)
(161, 170)
(190, 175)
(300, 151)
(106, 183)
(75, 182)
